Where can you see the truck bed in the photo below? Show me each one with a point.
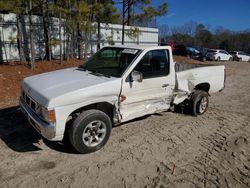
(190, 75)
(184, 66)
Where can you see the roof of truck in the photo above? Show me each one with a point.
(141, 47)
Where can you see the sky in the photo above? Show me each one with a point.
(230, 14)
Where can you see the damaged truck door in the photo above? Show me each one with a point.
(153, 91)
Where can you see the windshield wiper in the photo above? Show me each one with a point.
(99, 74)
(82, 68)
(94, 72)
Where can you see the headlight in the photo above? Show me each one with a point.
(48, 115)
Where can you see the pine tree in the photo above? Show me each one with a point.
(145, 15)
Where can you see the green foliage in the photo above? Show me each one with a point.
(148, 11)
(110, 40)
(108, 13)
(54, 42)
(14, 6)
(12, 39)
(133, 33)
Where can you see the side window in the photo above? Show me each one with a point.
(155, 63)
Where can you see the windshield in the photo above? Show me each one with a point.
(110, 61)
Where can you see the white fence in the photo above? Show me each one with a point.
(109, 32)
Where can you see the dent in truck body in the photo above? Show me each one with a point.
(145, 107)
(188, 80)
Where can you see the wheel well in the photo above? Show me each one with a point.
(203, 87)
(102, 106)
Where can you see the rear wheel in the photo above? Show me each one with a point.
(90, 131)
(198, 103)
(239, 59)
(230, 59)
(218, 58)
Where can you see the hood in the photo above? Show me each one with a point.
(47, 86)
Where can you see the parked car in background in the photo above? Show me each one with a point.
(240, 56)
(218, 55)
(183, 50)
(202, 55)
(171, 44)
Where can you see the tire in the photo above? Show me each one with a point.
(198, 103)
(218, 59)
(90, 131)
(239, 59)
(230, 59)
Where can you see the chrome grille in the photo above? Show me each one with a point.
(32, 104)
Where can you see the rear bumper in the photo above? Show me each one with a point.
(47, 130)
(212, 58)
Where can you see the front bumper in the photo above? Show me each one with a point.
(47, 130)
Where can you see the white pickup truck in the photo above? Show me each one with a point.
(117, 84)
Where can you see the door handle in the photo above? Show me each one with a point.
(165, 85)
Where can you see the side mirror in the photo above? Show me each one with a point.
(136, 76)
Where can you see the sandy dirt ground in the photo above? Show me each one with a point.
(161, 150)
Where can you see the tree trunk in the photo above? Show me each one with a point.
(60, 36)
(129, 12)
(98, 34)
(64, 41)
(73, 45)
(31, 37)
(79, 43)
(98, 31)
(85, 46)
(67, 45)
(123, 20)
(46, 30)
(20, 40)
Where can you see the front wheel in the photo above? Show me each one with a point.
(90, 131)
(198, 103)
